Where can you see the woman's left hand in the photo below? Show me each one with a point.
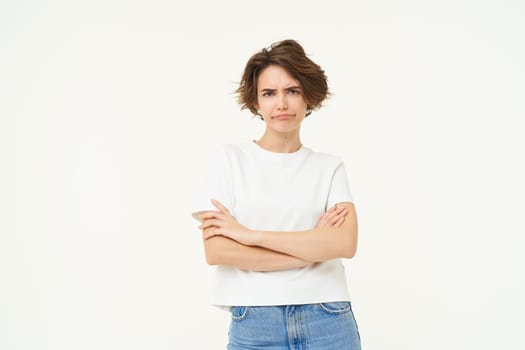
(222, 223)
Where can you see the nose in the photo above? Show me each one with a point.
(282, 103)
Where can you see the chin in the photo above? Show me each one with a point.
(285, 128)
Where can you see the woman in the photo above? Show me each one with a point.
(278, 217)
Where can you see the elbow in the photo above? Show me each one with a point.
(348, 234)
(215, 250)
(349, 249)
(211, 259)
(211, 252)
(349, 252)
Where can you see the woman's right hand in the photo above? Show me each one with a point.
(334, 217)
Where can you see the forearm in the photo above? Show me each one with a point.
(319, 244)
(224, 251)
(323, 243)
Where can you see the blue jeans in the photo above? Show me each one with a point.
(330, 326)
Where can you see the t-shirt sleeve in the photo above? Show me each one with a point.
(216, 184)
(339, 188)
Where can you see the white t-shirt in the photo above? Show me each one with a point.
(272, 191)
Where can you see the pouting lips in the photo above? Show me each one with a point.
(283, 116)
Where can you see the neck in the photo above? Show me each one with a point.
(281, 143)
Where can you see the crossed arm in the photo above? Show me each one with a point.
(226, 242)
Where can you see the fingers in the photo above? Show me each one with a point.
(221, 207)
(338, 219)
(333, 217)
(209, 223)
(211, 214)
(339, 222)
(209, 232)
(212, 218)
(334, 214)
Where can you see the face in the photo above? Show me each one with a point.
(280, 100)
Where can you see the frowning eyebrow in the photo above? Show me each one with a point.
(288, 89)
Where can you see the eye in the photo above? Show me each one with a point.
(267, 93)
(294, 91)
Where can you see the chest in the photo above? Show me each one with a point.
(279, 196)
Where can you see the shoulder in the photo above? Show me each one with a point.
(227, 153)
(325, 158)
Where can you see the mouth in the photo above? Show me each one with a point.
(283, 116)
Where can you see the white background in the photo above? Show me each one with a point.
(108, 110)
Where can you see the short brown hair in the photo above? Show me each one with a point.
(290, 55)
